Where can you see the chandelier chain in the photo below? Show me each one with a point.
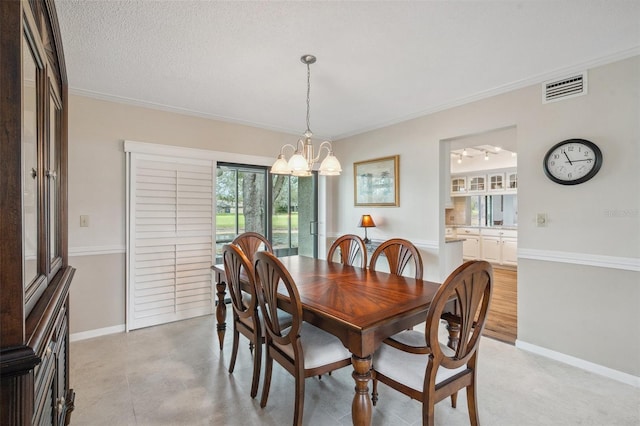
(308, 95)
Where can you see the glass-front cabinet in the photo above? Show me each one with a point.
(477, 183)
(496, 182)
(35, 277)
(512, 181)
(458, 185)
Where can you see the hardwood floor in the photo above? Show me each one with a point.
(502, 322)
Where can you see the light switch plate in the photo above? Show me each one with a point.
(84, 221)
(541, 220)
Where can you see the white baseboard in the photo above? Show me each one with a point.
(619, 376)
(89, 334)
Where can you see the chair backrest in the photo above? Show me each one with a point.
(471, 285)
(271, 275)
(235, 262)
(399, 254)
(251, 242)
(351, 247)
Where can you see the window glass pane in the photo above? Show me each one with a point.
(240, 203)
(252, 201)
(29, 166)
(53, 179)
(281, 217)
(226, 207)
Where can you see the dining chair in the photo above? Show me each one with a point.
(420, 366)
(252, 242)
(301, 348)
(237, 267)
(350, 247)
(399, 253)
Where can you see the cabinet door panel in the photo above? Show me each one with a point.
(491, 248)
(510, 251)
(31, 173)
(471, 247)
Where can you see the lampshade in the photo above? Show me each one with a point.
(330, 166)
(298, 164)
(366, 221)
(281, 166)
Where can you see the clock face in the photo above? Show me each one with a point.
(572, 161)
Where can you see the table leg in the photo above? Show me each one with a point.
(454, 334)
(361, 406)
(221, 309)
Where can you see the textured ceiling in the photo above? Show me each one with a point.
(378, 62)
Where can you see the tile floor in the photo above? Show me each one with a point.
(175, 374)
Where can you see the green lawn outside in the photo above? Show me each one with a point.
(226, 221)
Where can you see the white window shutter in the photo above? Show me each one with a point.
(170, 239)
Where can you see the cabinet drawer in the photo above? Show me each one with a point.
(493, 232)
(461, 232)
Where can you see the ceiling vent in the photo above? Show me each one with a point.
(568, 87)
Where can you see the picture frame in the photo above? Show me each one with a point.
(376, 182)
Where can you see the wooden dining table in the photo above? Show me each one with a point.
(359, 306)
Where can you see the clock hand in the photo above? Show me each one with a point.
(588, 159)
(565, 154)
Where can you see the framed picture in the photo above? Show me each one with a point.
(376, 182)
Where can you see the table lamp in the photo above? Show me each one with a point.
(366, 221)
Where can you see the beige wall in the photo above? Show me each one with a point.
(97, 189)
(582, 311)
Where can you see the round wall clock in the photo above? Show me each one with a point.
(572, 161)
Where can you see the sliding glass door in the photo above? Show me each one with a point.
(283, 208)
(294, 215)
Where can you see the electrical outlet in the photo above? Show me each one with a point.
(84, 221)
(541, 220)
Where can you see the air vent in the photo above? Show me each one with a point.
(568, 87)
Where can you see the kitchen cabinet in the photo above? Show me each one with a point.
(509, 251)
(458, 185)
(477, 183)
(496, 182)
(35, 277)
(471, 243)
(512, 181)
(499, 246)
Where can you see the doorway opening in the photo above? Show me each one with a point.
(479, 193)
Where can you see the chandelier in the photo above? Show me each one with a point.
(303, 158)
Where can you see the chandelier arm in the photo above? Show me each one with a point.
(285, 146)
(326, 145)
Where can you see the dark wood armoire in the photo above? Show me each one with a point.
(34, 274)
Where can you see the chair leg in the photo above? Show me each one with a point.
(234, 350)
(454, 399)
(268, 367)
(257, 361)
(472, 405)
(374, 392)
(299, 403)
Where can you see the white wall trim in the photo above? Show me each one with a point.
(600, 261)
(96, 251)
(195, 153)
(619, 376)
(89, 334)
